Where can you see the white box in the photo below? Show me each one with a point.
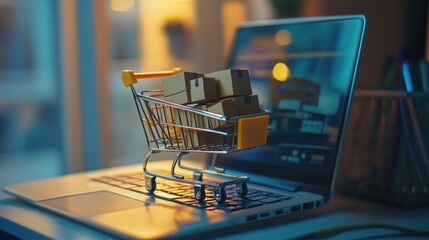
(232, 82)
(203, 89)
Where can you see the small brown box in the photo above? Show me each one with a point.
(202, 107)
(207, 122)
(247, 104)
(203, 89)
(232, 82)
(210, 139)
(185, 118)
(226, 107)
(190, 138)
(183, 97)
(193, 139)
(178, 82)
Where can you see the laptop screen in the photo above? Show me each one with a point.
(303, 71)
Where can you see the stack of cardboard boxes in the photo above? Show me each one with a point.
(227, 92)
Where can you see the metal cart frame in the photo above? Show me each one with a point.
(177, 128)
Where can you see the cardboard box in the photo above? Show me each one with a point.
(210, 140)
(203, 89)
(183, 97)
(202, 107)
(190, 119)
(189, 138)
(178, 82)
(232, 82)
(226, 107)
(247, 104)
(185, 118)
(194, 139)
(205, 121)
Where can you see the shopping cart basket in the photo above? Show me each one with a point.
(178, 128)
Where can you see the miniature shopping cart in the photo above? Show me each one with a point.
(183, 129)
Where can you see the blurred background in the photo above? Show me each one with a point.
(63, 107)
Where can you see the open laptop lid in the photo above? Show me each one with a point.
(303, 71)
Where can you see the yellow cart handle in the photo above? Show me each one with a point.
(129, 77)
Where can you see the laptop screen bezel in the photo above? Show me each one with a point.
(318, 181)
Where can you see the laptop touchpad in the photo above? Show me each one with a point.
(92, 204)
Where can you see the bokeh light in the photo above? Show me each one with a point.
(283, 38)
(281, 72)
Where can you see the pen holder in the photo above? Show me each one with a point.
(385, 156)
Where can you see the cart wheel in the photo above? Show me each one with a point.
(241, 189)
(150, 183)
(200, 192)
(219, 194)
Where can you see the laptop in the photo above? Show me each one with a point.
(303, 71)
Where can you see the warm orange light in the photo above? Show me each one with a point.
(121, 5)
(281, 72)
(283, 38)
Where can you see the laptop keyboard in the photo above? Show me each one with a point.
(184, 193)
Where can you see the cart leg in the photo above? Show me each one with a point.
(173, 166)
(241, 189)
(200, 192)
(146, 160)
(217, 169)
(150, 183)
(219, 194)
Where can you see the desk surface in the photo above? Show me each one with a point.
(26, 222)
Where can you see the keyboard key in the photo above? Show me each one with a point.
(256, 198)
(284, 197)
(165, 195)
(231, 204)
(250, 204)
(254, 191)
(122, 178)
(179, 191)
(132, 180)
(211, 200)
(126, 185)
(185, 201)
(115, 183)
(136, 175)
(270, 200)
(200, 205)
(253, 194)
(141, 183)
(241, 200)
(188, 194)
